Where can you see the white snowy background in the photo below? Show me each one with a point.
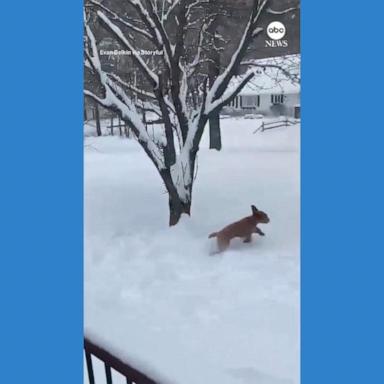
(155, 296)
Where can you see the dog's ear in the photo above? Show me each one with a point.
(254, 209)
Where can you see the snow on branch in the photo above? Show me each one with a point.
(175, 3)
(147, 18)
(291, 75)
(131, 87)
(207, 22)
(277, 74)
(170, 10)
(124, 22)
(194, 4)
(229, 95)
(273, 12)
(150, 75)
(160, 31)
(222, 81)
(257, 31)
(92, 58)
(116, 99)
(155, 26)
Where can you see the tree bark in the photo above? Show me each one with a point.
(97, 118)
(213, 72)
(215, 132)
(177, 207)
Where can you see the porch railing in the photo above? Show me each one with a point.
(132, 375)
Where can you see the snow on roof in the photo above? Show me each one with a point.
(273, 75)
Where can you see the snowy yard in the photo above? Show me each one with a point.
(155, 296)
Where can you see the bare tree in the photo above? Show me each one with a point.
(176, 87)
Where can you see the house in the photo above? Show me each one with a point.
(273, 91)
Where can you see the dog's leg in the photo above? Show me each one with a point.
(248, 238)
(258, 231)
(222, 244)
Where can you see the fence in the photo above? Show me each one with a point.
(132, 375)
(121, 125)
(276, 124)
(112, 122)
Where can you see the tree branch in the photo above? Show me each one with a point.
(131, 87)
(116, 99)
(116, 17)
(229, 96)
(271, 11)
(116, 31)
(223, 80)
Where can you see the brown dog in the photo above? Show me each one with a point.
(243, 228)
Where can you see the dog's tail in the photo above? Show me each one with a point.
(214, 234)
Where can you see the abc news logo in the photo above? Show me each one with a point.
(276, 31)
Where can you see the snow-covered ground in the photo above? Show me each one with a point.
(154, 295)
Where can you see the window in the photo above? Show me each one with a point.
(277, 99)
(250, 101)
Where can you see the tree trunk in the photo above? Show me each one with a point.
(177, 207)
(214, 132)
(213, 72)
(97, 118)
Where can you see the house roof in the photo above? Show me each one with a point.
(272, 75)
